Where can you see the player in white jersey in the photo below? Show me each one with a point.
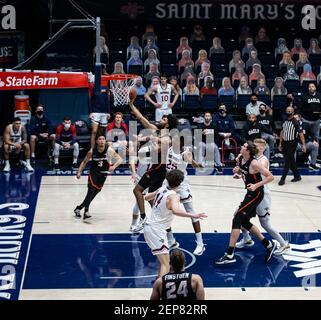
(263, 210)
(15, 140)
(163, 93)
(180, 161)
(143, 162)
(166, 205)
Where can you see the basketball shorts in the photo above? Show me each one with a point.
(153, 179)
(96, 180)
(99, 118)
(250, 203)
(265, 206)
(160, 112)
(156, 239)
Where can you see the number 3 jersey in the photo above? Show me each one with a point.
(100, 162)
(161, 217)
(177, 286)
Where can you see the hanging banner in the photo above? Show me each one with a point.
(202, 10)
(23, 80)
(42, 80)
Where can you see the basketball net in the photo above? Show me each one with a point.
(120, 86)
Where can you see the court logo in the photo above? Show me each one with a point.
(308, 264)
(309, 20)
(11, 235)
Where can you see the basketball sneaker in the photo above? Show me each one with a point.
(77, 212)
(244, 243)
(269, 251)
(226, 259)
(282, 249)
(140, 225)
(314, 167)
(200, 248)
(29, 168)
(74, 166)
(219, 170)
(86, 215)
(7, 167)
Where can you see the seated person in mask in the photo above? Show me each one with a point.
(253, 130)
(225, 128)
(267, 121)
(41, 129)
(253, 106)
(66, 139)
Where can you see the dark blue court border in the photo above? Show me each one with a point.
(120, 261)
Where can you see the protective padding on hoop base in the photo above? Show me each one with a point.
(120, 86)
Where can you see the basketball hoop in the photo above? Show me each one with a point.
(120, 86)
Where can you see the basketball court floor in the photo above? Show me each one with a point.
(45, 253)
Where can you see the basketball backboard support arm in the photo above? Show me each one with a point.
(70, 24)
(97, 87)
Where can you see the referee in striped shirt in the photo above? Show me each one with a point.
(291, 129)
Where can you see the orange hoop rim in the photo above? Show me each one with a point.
(121, 76)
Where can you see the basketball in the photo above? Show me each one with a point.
(132, 94)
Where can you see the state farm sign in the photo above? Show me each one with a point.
(39, 80)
